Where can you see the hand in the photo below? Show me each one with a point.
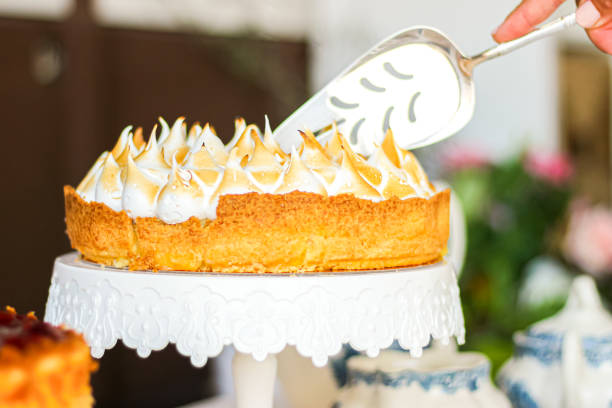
(593, 15)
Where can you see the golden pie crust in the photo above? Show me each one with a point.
(267, 233)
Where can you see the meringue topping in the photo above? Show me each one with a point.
(193, 134)
(271, 145)
(349, 181)
(240, 126)
(140, 191)
(181, 174)
(370, 173)
(128, 152)
(152, 156)
(87, 187)
(395, 182)
(299, 178)
(138, 140)
(109, 187)
(316, 158)
(122, 142)
(182, 198)
(409, 163)
(202, 163)
(214, 145)
(263, 169)
(235, 179)
(334, 145)
(176, 141)
(246, 141)
(165, 130)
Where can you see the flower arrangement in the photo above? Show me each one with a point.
(515, 215)
(588, 241)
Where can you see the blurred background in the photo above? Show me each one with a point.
(533, 168)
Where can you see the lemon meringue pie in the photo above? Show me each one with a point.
(185, 201)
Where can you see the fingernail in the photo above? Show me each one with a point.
(587, 14)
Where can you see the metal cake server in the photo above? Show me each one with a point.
(416, 81)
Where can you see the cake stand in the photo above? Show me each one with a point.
(258, 314)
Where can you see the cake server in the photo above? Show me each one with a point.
(416, 81)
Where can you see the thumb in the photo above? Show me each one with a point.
(593, 13)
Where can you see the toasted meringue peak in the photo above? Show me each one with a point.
(370, 173)
(183, 197)
(412, 166)
(110, 186)
(262, 157)
(202, 163)
(263, 169)
(152, 157)
(127, 145)
(396, 183)
(122, 142)
(313, 155)
(200, 159)
(126, 153)
(193, 134)
(165, 131)
(87, 187)
(298, 177)
(214, 145)
(271, 145)
(391, 149)
(138, 140)
(246, 142)
(140, 191)
(349, 181)
(312, 152)
(177, 140)
(239, 127)
(333, 147)
(397, 187)
(181, 154)
(235, 179)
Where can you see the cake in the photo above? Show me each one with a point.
(185, 201)
(42, 365)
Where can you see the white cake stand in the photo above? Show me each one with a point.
(258, 314)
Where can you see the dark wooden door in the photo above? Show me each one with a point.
(66, 91)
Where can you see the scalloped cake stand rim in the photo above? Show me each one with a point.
(107, 304)
(260, 314)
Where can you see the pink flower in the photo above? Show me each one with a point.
(464, 157)
(555, 168)
(588, 242)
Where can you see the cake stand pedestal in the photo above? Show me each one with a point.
(259, 314)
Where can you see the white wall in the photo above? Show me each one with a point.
(516, 95)
(36, 9)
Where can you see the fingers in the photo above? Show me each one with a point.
(525, 18)
(596, 17)
(602, 38)
(594, 13)
(587, 15)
